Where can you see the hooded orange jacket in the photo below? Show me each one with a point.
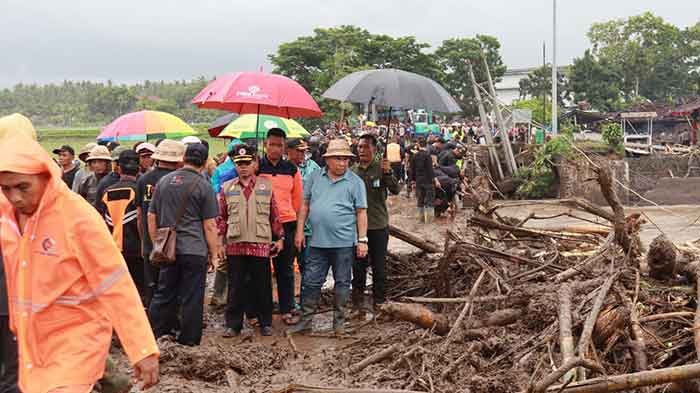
(68, 284)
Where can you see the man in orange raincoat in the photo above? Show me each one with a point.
(68, 284)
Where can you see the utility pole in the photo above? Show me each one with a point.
(485, 127)
(544, 92)
(510, 158)
(555, 124)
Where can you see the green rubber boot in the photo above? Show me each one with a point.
(421, 215)
(308, 307)
(429, 215)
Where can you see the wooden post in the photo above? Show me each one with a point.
(486, 129)
(510, 158)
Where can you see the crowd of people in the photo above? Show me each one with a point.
(164, 214)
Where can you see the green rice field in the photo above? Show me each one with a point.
(51, 138)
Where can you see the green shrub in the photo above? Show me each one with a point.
(612, 134)
(539, 177)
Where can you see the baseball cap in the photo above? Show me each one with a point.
(64, 148)
(197, 150)
(117, 151)
(297, 144)
(243, 153)
(191, 139)
(128, 159)
(112, 145)
(145, 148)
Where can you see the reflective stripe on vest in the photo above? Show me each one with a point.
(117, 201)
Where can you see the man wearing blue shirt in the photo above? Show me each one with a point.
(335, 202)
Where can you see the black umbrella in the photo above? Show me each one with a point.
(393, 88)
(219, 124)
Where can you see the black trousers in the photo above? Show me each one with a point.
(378, 240)
(150, 280)
(284, 269)
(8, 358)
(249, 287)
(180, 284)
(425, 195)
(137, 273)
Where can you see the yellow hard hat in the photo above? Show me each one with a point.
(16, 123)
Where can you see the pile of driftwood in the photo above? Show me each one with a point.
(504, 305)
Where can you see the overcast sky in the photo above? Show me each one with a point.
(129, 41)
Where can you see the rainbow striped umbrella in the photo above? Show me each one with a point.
(145, 125)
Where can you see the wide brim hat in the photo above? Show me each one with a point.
(169, 151)
(99, 153)
(87, 148)
(338, 148)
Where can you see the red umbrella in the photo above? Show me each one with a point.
(259, 93)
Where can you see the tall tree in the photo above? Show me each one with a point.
(597, 82)
(651, 55)
(318, 61)
(452, 56)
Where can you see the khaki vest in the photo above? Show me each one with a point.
(248, 219)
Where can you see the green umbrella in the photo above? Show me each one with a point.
(244, 127)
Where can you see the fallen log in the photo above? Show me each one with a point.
(414, 240)
(419, 315)
(580, 229)
(374, 358)
(566, 338)
(521, 299)
(568, 365)
(297, 388)
(497, 318)
(588, 326)
(622, 382)
(486, 222)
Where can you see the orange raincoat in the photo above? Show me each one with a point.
(68, 285)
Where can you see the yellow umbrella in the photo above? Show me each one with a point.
(244, 127)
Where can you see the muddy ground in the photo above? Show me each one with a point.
(268, 364)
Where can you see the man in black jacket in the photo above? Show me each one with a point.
(423, 177)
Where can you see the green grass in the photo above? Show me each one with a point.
(52, 138)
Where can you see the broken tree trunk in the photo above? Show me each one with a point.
(375, 358)
(414, 240)
(566, 338)
(606, 181)
(520, 299)
(661, 258)
(564, 370)
(622, 382)
(486, 222)
(588, 326)
(419, 315)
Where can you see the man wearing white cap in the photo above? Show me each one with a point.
(100, 161)
(145, 151)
